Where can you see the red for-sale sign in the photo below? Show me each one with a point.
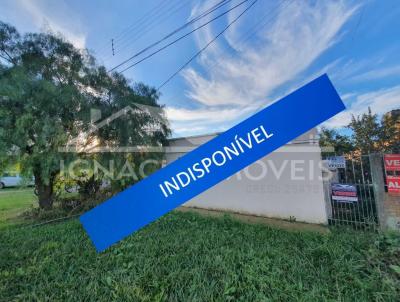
(392, 162)
(393, 183)
(392, 168)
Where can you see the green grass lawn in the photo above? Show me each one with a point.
(13, 202)
(188, 257)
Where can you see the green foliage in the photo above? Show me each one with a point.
(187, 257)
(368, 135)
(340, 144)
(47, 89)
(390, 133)
(366, 131)
(42, 103)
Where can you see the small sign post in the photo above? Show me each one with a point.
(344, 193)
(336, 162)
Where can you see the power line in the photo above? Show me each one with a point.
(251, 32)
(159, 7)
(148, 25)
(139, 22)
(202, 15)
(264, 20)
(178, 39)
(206, 46)
(261, 22)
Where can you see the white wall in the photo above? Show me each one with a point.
(286, 184)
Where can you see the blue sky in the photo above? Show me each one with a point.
(276, 47)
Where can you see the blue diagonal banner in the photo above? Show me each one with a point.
(212, 162)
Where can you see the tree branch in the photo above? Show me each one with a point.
(10, 58)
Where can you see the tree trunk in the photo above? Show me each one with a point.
(44, 192)
(89, 188)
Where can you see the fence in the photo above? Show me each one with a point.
(359, 211)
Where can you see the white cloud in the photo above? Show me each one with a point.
(58, 19)
(211, 115)
(209, 119)
(242, 72)
(377, 73)
(380, 101)
(375, 66)
(183, 131)
(300, 34)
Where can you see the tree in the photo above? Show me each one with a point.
(340, 144)
(47, 88)
(390, 132)
(42, 102)
(136, 127)
(366, 132)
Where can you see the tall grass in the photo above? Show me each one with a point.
(187, 257)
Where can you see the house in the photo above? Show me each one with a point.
(286, 184)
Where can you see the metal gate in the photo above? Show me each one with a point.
(361, 212)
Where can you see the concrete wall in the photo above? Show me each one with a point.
(391, 212)
(287, 184)
(387, 205)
